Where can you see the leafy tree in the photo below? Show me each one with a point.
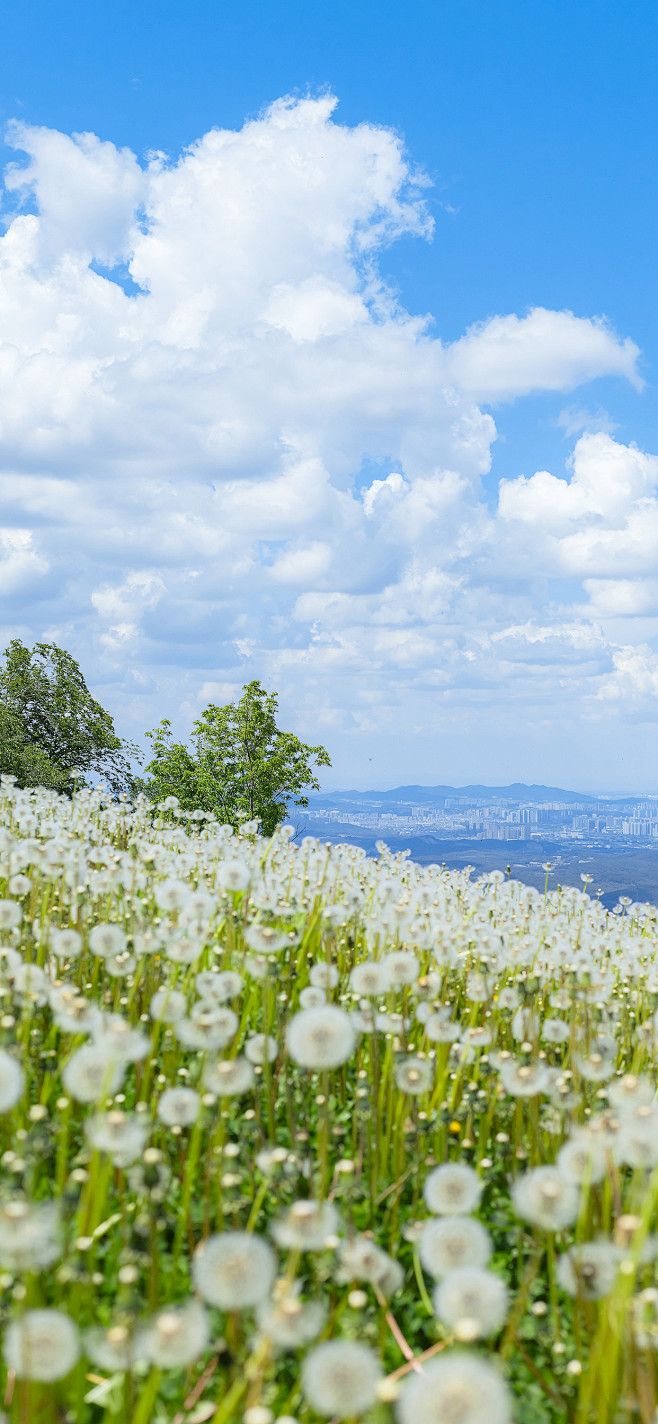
(239, 765)
(51, 726)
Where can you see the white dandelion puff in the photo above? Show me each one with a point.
(583, 1158)
(12, 1081)
(31, 982)
(453, 1189)
(179, 1107)
(183, 948)
(442, 1030)
(476, 1036)
(218, 985)
(290, 1322)
(555, 1031)
(29, 1234)
(321, 1038)
(401, 968)
(234, 876)
(168, 1006)
(43, 1345)
(106, 940)
(449, 1242)
(261, 1048)
(177, 1336)
(91, 1075)
(172, 895)
(599, 1064)
(119, 1040)
(547, 1198)
(369, 978)
(414, 1076)
(631, 1092)
(312, 997)
(66, 944)
(473, 1295)
(234, 1270)
(209, 1026)
(306, 1226)
(10, 915)
(323, 976)
(228, 1077)
(263, 939)
(119, 1134)
(340, 1378)
(589, 1270)
(114, 1348)
(361, 1259)
(460, 1388)
(525, 1024)
(524, 1080)
(636, 1143)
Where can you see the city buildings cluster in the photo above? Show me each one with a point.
(462, 817)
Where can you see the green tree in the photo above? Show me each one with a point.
(239, 765)
(51, 726)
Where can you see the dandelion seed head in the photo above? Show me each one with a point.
(414, 1075)
(168, 1006)
(306, 1226)
(452, 1189)
(228, 1077)
(401, 968)
(91, 1075)
(263, 939)
(106, 940)
(29, 1234)
(312, 997)
(290, 1322)
(261, 1048)
(321, 1038)
(42, 1345)
(234, 1270)
(234, 876)
(119, 1134)
(458, 1388)
(172, 895)
(323, 976)
(369, 978)
(546, 1197)
(218, 985)
(11, 915)
(177, 1336)
(179, 1106)
(471, 1294)
(453, 1241)
(66, 944)
(340, 1378)
(589, 1270)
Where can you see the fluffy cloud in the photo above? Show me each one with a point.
(227, 450)
(544, 351)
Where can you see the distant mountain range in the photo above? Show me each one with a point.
(429, 795)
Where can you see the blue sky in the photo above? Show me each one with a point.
(536, 126)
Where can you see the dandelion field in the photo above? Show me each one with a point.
(293, 1135)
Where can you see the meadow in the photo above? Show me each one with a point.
(292, 1134)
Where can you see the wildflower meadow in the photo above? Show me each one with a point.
(290, 1134)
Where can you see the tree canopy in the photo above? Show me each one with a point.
(51, 726)
(239, 764)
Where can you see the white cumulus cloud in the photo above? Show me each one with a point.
(228, 450)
